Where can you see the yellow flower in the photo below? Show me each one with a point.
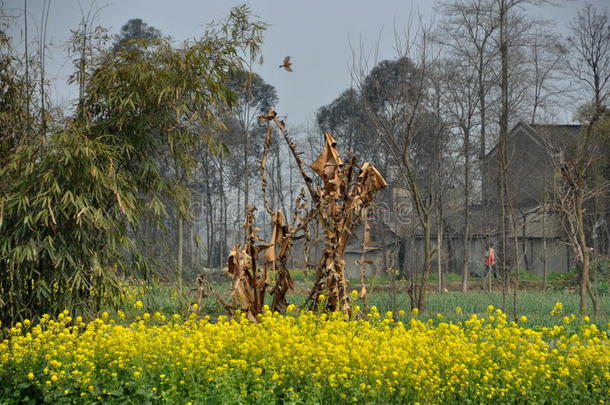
(138, 304)
(433, 362)
(557, 309)
(415, 311)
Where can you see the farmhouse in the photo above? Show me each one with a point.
(396, 241)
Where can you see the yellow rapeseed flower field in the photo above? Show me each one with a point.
(303, 357)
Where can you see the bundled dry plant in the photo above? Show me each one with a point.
(337, 204)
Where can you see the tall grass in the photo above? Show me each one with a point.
(535, 305)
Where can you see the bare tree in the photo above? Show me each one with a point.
(590, 55)
(546, 53)
(444, 154)
(255, 97)
(479, 31)
(575, 156)
(398, 112)
(462, 103)
(590, 63)
(469, 28)
(513, 27)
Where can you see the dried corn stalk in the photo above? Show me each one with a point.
(346, 192)
(363, 261)
(203, 289)
(249, 281)
(282, 237)
(337, 205)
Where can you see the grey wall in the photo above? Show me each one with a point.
(557, 255)
(381, 259)
(529, 168)
(410, 256)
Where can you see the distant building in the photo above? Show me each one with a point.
(543, 245)
(395, 240)
(529, 164)
(540, 232)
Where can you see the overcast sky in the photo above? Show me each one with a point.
(315, 33)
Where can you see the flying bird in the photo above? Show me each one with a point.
(287, 64)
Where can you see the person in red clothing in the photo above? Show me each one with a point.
(490, 261)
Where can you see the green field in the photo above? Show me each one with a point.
(535, 304)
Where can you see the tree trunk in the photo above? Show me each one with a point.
(223, 197)
(192, 244)
(179, 270)
(483, 112)
(449, 256)
(212, 242)
(585, 280)
(439, 243)
(516, 256)
(421, 293)
(246, 172)
(544, 268)
(466, 229)
(236, 222)
(503, 158)
(208, 208)
(27, 68)
(42, 45)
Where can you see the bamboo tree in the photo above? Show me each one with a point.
(75, 195)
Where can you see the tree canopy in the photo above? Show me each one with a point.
(133, 30)
(70, 197)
